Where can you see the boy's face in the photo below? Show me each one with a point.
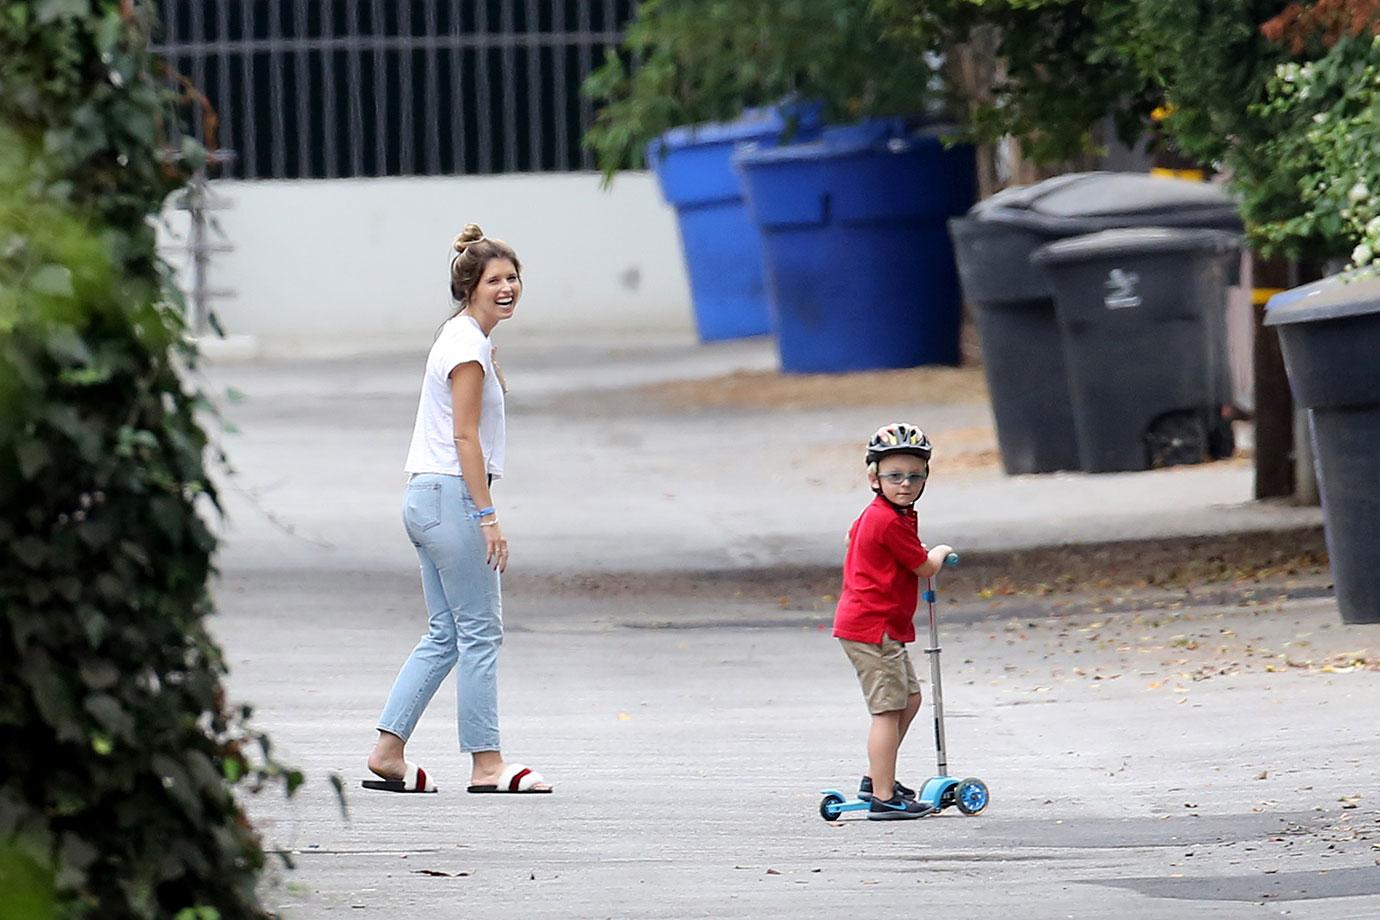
(911, 471)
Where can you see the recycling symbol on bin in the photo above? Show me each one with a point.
(1121, 289)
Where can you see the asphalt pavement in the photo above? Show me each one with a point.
(1168, 756)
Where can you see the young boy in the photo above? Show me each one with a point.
(876, 612)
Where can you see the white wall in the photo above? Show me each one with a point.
(361, 264)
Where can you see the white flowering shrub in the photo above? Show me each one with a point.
(1329, 138)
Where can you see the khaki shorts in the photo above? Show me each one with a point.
(885, 672)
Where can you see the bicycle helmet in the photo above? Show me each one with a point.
(898, 438)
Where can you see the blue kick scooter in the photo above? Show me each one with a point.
(967, 795)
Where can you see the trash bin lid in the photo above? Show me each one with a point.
(1136, 241)
(1331, 298)
(1022, 197)
(753, 124)
(1096, 200)
(888, 134)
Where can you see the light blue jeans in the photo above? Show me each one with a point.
(466, 615)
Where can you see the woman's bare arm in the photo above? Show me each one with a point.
(466, 396)
(466, 393)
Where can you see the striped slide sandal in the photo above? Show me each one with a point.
(414, 780)
(515, 779)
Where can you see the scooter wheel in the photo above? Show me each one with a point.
(829, 807)
(1177, 438)
(970, 795)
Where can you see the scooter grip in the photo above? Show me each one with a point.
(951, 560)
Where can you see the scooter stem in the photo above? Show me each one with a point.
(938, 702)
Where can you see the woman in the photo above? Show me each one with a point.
(457, 451)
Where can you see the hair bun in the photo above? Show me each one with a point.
(471, 234)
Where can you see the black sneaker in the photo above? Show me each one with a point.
(897, 809)
(865, 790)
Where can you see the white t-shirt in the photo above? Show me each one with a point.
(433, 435)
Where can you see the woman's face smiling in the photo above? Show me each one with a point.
(496, 295)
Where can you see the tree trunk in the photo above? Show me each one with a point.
(973, 68)
(1275, 474)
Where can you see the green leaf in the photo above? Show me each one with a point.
(27, 883)
(99, 675)
(108, 33)
(94, 624)
(68, 587)
(31, 551)
(38, 592)
(338, 784)
(65, 343)
(177, 784)
(95, 534)
(86, 376)
(52, 696)
(135, 551)
(197, 913)
(53, 281)
(108, 587)
(33, 456)
(111, 715)
(168, 514)
(51, 10)
(193, 154)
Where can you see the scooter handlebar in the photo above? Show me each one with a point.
(951, 560)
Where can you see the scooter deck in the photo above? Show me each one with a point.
(840, 803)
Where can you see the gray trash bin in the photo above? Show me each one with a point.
(1013, 303)
(1330, 334)
(1144, 335)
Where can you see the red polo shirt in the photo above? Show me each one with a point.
(880, 586)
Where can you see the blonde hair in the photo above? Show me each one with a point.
(473, 252)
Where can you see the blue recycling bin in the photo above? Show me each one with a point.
(722, 247)
(860, 268)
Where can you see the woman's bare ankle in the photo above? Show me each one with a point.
(486, 767)
(388, 760)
